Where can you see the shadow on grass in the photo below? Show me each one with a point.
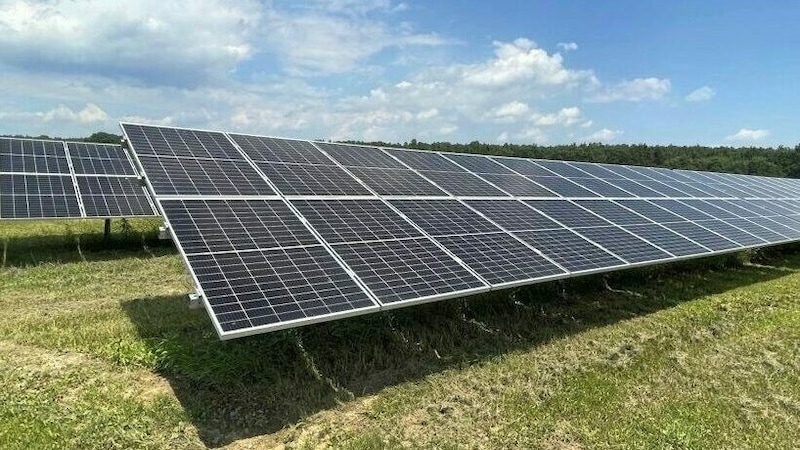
(258, 385)
(71, 241)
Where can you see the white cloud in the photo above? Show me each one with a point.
(636, 90)
(566, 116)
(90, 114)
(604, 135)
(522, 61)
(174, 42)
(567, 46)
(702, 94)
(510, 111)
(748, 135)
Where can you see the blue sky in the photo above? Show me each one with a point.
(549, 72)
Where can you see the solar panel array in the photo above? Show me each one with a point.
(279, 233)
(54, 179)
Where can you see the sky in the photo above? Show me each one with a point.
(548, 72)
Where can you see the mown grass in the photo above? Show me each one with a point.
(98, 349)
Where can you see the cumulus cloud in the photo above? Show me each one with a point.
(510, 111)
(604, 135)
(90, 114)
(175, 42)
(748, 135)
(567, 46)
(566, 116)
(701, 94)
(636, 90)
(522, 61)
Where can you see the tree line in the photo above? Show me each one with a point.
(776, 162)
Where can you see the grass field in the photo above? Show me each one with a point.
(98, 349)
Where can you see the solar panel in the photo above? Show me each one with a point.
(424, 160)
(600, 187)
(512, 215)
(279, 150)
(100, 159)
(279, 232)
(524, 167)
(666, 239)
(192, 176)
(444, 217)
(613, 212)
(355, 220)
(275, 288)
(570, 250)
(37, 196)
(162, 141)
(33, 156)
(462, 184)
(113, 197)
(208, 226)
(623, 244)
(396, 182)
(517, 185)
(351, 155)
(702, 236)
(738, 235)
(564, 187)
(478, 164)
(567, 213)
(307, 179)
(404, 270)
(499, 258)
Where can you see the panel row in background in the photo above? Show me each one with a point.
(273, 263)
(53, 179)
(189, 162)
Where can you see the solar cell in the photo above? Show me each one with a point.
(396, 182)
(709, 209)
(113, 197)
(623, 244)
(37, 196)
(351, 155)
(354, 220)
(751, 208)
(463, 184)
(512, 215)
(666, 239)
(567, 213)
(792, 226)
(687, 189)
(31, 147)
(444, 217)
(782, 231)
(407, 270)
(499, 258)
(662, 188)
(267, 149)
(100, 159)
(570, 250)
(190, 176)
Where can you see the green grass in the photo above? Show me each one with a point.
(98, 349)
